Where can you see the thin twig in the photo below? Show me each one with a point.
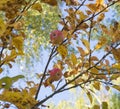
(44, 73)
(1, 54)
(89, 39)
(58, 84)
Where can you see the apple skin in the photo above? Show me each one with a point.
(56, 37)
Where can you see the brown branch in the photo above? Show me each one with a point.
(89, 38)
(58, 84)
(62, 87)
(44, 73)
(1, 53)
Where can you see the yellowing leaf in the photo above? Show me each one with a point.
(66, 74)
(86, 44)
(101, 17)
(116, 66)
(37, 6)
(62, 50)
(96, 85)
(73, 72)
(50, 2)
(18, 44)
(83, 26)
(96, 107)
(73, 59)
(116, 54)
(2, 26)
(105, 29)
(116, 87)
(10, 57)
(94, 70)
(94, 58)
(1, 70)
(52, 86)
(89, 96)
(92, 7)
(101, 43)
(107, 88)
(79, 80)
(114, 76)
(82, 52)
(102, 77)
(81, 15)
(104, 105)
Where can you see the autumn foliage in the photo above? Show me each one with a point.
(77, 64)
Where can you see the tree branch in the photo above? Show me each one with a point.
(44, 73)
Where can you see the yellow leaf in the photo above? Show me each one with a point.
(50, 2)
(101, 43)
(96, 85)
(81, 15)
(107, 88)
(18, 44)
(82, 52)
(104, 105)
(37, 6)
(89, 96)
(116, 87)
(73, 72)
(94, 70)
(96, 107)
(92, 7)
(1, 70)
(99, 2)
(73, 59)
(101, 17)
(86, 44)
(2, 26)
(114, 76)
(11, 57)
(105, 29)
(102, 77)
(116, 66)
(88, 12)
(83, 26)
(52, 86)
(116, 54)
(94, 58)
(66, 74)
(62, 50)
(2, 2)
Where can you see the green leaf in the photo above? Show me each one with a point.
(6, 82)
